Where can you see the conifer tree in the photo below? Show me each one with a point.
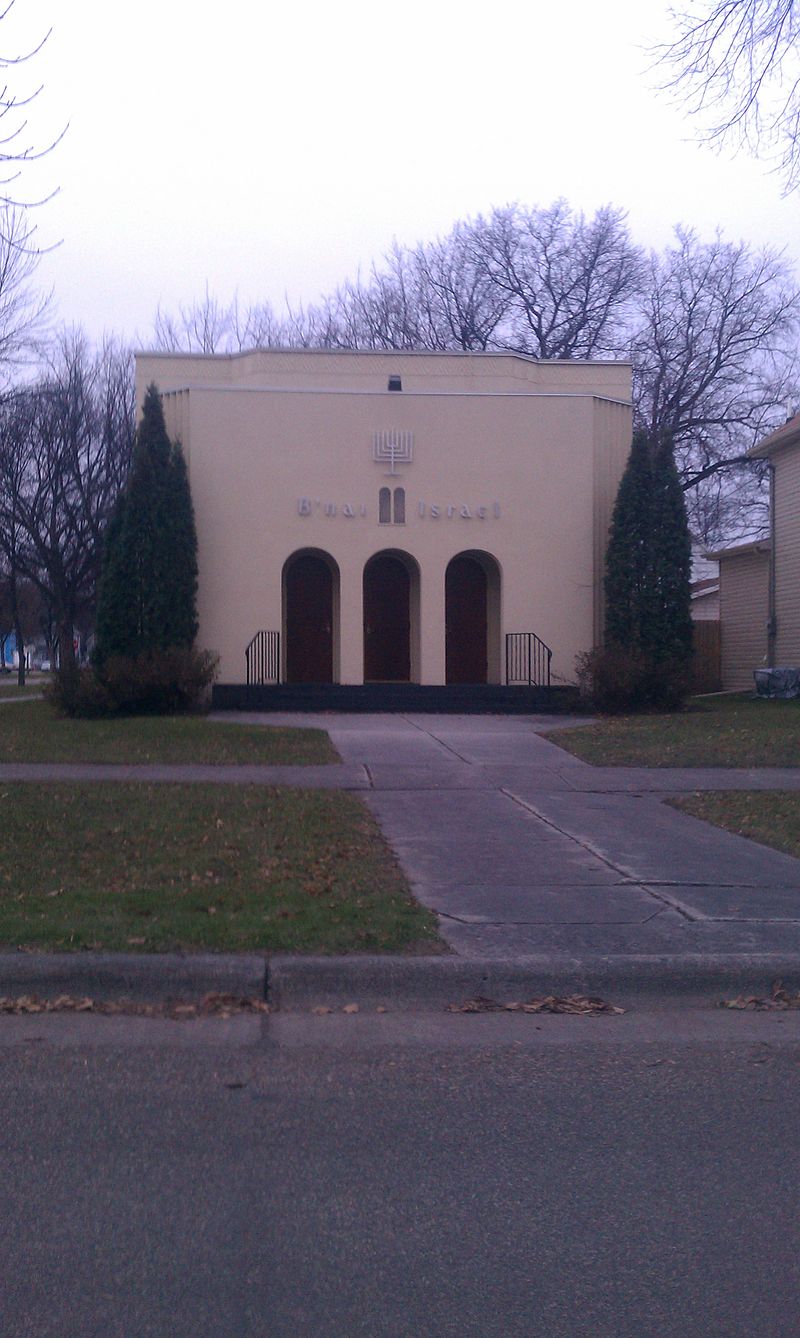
(670, 614)
(628, 557)
(648, 571)
(148, 590)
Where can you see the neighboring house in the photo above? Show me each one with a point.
(396, 517)
(743, 603)
(782, 449)
(705, 600)
(8, 653)
(705, 585)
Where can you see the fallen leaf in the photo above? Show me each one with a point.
(580, 1005)
(321, 1009)
(211, 1005)
(779, 1000)
(350, 1008)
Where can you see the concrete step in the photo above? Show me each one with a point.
(375, 697)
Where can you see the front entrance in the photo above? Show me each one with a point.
(308, 595)
(465, 602)
(387, 620)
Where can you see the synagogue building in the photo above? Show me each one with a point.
(431, 518)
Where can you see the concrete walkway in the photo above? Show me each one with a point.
(526, 852)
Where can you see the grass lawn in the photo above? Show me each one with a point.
(771, 817)
(729, 731)
(32, 732)
(10, 688)
(145, 868)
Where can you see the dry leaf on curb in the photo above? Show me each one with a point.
(321, 1009)
(350, 1008)
(477, 1005)
(211, 1005)
(381, 1009)
(580, 1005)
(780, 999)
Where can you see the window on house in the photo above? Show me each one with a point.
(399, 506)
(395, 383)
(385, 506)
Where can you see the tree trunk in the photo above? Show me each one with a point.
(20, 639)
(66, 645)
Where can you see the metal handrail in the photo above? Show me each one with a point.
(527, 660)
(263, 658)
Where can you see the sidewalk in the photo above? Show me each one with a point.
(535, 861)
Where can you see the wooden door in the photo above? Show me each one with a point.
(309, 621)
(465, 621)
(387, 621)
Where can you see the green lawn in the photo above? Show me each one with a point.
(729, 731)
(771, 817)
(32, 732)
(146, 868)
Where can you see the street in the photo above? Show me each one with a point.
(401, 1174)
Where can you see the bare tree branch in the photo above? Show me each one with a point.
(736, 67)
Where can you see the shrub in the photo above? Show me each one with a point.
(615, 678)
(159, 682)
(163, 682)
(79, 693)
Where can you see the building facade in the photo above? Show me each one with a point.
(782, 449)
(383, 517)
(744, 573)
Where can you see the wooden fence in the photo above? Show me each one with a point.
(707, 672)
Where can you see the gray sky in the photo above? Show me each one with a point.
(273, 150)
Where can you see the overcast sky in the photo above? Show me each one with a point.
(274, 150)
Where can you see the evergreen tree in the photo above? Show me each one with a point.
(628, 557)
(148, 590)
(648, 571)
(670, 613)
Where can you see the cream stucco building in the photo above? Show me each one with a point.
(385, 517)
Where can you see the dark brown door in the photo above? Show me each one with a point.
(387, 621)
(465, 621)
(309, 621)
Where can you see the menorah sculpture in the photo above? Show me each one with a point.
(396, 448)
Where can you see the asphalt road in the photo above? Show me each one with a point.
(401, 1175)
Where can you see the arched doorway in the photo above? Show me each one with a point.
(471, 599)
(389, 591)
(310, 596)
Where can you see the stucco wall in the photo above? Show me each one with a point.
(516, 469)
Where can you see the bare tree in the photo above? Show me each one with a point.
(207, 326)
(736, 65)
(714, 361)
(65, 447)
(569, 281)
(15, 150)
(709, 327)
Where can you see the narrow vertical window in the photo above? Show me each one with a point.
(384, 506)
(399, 506)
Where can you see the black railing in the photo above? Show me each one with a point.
(263, 657)
(527, 660)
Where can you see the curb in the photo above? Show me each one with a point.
(145, 978)
(405, 983)
(425, 982)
